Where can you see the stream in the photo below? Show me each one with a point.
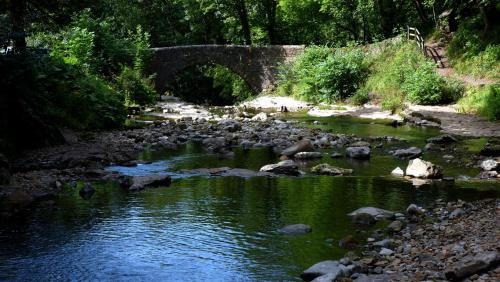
(206, 228)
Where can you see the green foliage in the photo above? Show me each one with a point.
(393, 101)
(325, 75)
(136, 89)
(401, 72)
(211, 85)
(76, 48)
(423, 85)
(361, 97)
(484, 100)
(43, 94)
(473, 53)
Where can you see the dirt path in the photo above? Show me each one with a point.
(457, 123)
(437, 50)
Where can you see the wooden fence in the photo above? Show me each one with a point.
(413, 33)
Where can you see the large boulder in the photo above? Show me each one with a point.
(287, 167)
(471, 265)
(296, 229)
(301, 146)
(358, 152)
(327, 169)
(328, 267)
(138, 183)
(421, 169)
(370, 215)
(412, 152)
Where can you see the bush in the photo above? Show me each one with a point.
(393, 101)
(424, 86)
(39, 95)
(361, 97)
(136, 89)
(483, 100)
(325, 75)
(402, 68)
(472, 53)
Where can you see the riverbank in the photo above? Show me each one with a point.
(41, 173)
(455, 241)
(447, 118)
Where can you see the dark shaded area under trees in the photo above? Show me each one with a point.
(79, 64)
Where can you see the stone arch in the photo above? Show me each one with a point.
(257, 66)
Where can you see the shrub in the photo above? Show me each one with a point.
(136, 89)
(361, 97)
(424, 86)
(393, 101)
(473, 53)
(325, 75)
(483, 100)
(402, 68)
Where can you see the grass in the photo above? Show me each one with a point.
(483, 100)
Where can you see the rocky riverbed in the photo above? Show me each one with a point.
(448, 241)
(424, 244)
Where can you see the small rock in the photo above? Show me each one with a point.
(139, 183)
(471, 265)
(456, 213)
(395, 226)
(386, 243)
(414, 210)
(386, 252)
(323, 268)
(335, 155)
(348, 242)
(489, 165)
(442, 139)
(398, 172)
(327, 169)
(369, 215)
(421, 169)
(307, 155)
(260, 117)
(302, 146)
(296, 229)
(360, 144)
(412, 152)
(358, 152)
(287, 167)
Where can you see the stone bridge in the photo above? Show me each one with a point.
(256, 65)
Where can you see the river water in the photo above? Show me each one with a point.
(220, 228)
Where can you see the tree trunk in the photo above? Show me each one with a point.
(245, 25)
(271, 19)
(17, 11)
(420, 10)
(486, 20)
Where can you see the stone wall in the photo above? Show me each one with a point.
(257, 65)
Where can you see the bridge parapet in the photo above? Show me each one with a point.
(257, 65)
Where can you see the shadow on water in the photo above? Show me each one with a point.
(211, 228)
